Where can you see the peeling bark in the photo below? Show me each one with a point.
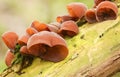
(107, 69)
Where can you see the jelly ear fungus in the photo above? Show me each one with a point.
(39, 26)
(53, 28)
(97, 2)
(69, 28)
(9, 58)
(48, 46)
(24, 50)
(31, 31)
(106, 11)
(64, 18)
(23, 39)
(90, 16)
(77, 9)
(10, 39)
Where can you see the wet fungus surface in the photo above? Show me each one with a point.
(39, 26)
(53, 28)
(106, 11)
(23, 39)
(90, 16)
(10, 39)
(64, 18)
(9, 58)
(69, 28)
(31, 31)
(24, 50)
(97, 2)
(48, 46)
(76, 9)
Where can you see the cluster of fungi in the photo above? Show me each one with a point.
(47, 42)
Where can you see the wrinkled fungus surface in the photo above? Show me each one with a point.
(10, 39)
(106, 11)
(77, 9)
(69, 28)
(48, 45)
(90, 16)
(9, 58)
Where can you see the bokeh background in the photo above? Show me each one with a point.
(17, 15)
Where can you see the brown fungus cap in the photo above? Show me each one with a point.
(9, 58)
(31, 31)
(10, 39)
(24, 50)
(64, 18)
(23, 39)
(106, 11)
(48, 46)
(53, 28)
(39, 26)
(77, 9)
(57, 24)
(69, 28)
(99, 1)
(43, 27)
(90, 16)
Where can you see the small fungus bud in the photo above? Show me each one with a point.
(9, 58)
(10, 39)
(69, 28)
(90, 16)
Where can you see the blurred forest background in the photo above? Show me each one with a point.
(16, 15)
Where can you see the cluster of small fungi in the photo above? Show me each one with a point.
(46, 41)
